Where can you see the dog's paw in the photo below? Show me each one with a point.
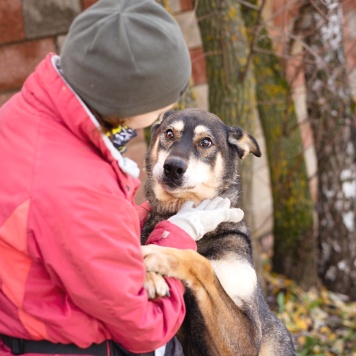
(157, 259)
(156, 286)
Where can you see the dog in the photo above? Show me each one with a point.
(194, 156)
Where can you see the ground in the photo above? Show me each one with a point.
(321, 322)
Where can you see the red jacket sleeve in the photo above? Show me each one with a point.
(165, 234)
(142, 211)
(95, 252)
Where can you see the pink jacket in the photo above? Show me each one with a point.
(71, 269)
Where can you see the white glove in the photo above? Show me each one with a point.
(197, 221)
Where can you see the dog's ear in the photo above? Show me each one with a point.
(166, 114)
(243, 141)
(160, 119)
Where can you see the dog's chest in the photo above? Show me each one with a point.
(232, 265)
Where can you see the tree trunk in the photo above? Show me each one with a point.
(232, 99)
(294, 238)
(329, 111)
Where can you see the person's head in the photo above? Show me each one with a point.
(127, 59)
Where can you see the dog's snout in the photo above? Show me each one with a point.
(174, 168)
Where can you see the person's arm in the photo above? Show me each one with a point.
(95, 252)
(142, 211)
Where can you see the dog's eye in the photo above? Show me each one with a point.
(206, 142)
(169, 134)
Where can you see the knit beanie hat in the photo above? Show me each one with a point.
(126, 57)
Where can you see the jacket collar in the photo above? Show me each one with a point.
(74, 113)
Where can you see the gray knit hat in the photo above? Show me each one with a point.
(126, 57)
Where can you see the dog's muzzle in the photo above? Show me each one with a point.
(174, 169)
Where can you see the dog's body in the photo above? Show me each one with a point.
(193, 155)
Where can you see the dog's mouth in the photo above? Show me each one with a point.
(172, 194)
(174, 186)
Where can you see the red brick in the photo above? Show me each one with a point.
(348, 5)
(307, 135)
(5, 97)
(187, 5)
(198, 65)
(313, 186)
(280, 21)
(19, 60)
(294, 71)
(349, 34)
(350, 49)
(87, 3)
(11, 21)
(284, 12)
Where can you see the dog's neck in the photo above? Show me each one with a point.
(166, 208)
(170, 207)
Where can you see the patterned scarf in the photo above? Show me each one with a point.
(120, 135)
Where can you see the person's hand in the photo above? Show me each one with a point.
(197, 221)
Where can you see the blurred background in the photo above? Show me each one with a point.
(284, 70)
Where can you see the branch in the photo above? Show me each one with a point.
(252, 45)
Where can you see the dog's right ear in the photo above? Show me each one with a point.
(166, 114)
(161, 118)
(243, 141)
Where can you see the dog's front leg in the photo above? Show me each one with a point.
(230, 331)
(155, 286)
(187, 265)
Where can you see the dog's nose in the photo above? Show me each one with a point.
(174, 168)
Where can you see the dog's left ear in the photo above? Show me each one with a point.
(243, 141)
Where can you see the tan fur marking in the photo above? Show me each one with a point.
(201, 129)
(155, 285)
(159, 162)
(154, 151)
(219, 168)
(178, 125)
(245, 143)
(171, 203)
(267, 348)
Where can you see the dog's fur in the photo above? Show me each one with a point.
(193, 155)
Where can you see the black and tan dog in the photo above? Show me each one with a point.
(194, 156)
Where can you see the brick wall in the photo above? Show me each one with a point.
(29, 29)
(349, 9)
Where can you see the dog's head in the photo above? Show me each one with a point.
(193, 155)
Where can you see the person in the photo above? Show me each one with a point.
(71, 269)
